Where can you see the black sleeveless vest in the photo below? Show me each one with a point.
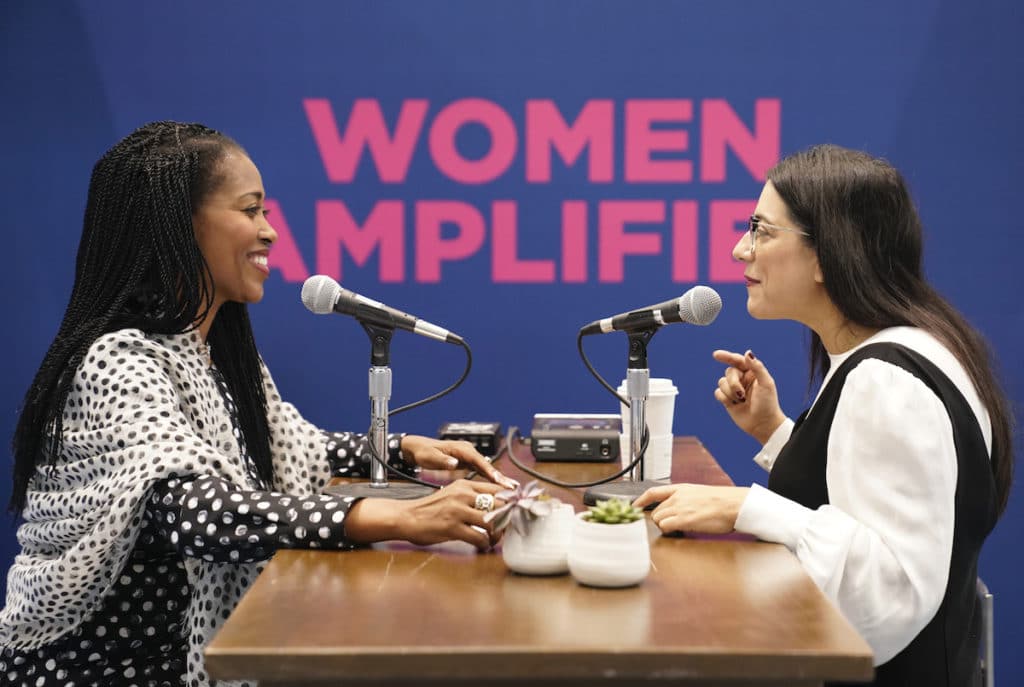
(945, 653)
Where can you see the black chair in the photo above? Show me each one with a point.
(986, 649)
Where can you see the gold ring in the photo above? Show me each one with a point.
(484, 502)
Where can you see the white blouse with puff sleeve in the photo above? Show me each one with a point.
(881, 547)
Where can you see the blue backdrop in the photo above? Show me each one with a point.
(514, 170)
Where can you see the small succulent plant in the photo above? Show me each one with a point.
(522, 504)
(613, 512)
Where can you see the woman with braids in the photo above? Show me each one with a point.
(886, 488)
(156, 465)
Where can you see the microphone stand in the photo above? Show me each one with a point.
(380, 393)
(638, 377)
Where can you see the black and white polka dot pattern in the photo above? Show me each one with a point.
(349, 455)
(143, 538)
(211, 520)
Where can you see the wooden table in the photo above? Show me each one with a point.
(713, 611)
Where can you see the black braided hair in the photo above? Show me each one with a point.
(139, 265)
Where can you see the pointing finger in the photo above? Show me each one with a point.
(730, 358)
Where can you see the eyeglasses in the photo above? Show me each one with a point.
(756, 227)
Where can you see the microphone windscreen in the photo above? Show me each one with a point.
(700, 305)
(320, 293)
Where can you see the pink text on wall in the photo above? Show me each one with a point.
(540, 196)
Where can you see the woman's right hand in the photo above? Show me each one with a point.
(747, 391)
(447, 514)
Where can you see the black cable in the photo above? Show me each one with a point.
(439, 394)
(581, 485)
(391, 468)
(373, 449)
(513, 432)
(586, 361)
(572, 485)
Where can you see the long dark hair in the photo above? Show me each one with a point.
(868, 238)
(139, 266)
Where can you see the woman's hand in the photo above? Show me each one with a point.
(694, 507)
(447, 514)
(747, 391)
(445, 454)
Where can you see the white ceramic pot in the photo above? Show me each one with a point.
(603, 555)
(544, 549)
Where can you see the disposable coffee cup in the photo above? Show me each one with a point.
(657, 459)
(660, 411)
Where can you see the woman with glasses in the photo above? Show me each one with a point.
(887, 486)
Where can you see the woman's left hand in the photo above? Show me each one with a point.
(447, 454)
(694, 507)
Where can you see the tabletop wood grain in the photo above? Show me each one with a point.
(713, 611)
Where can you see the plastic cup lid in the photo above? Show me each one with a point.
(656, 385)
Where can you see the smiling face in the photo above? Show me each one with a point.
(783, 278)
(233, 233)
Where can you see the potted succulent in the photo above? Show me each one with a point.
(609, 545)
(537, 530)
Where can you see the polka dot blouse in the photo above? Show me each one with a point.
(193, 535)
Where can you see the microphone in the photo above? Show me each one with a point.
(699, 305)
(322, 295)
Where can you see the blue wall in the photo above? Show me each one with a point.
(933, 86)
